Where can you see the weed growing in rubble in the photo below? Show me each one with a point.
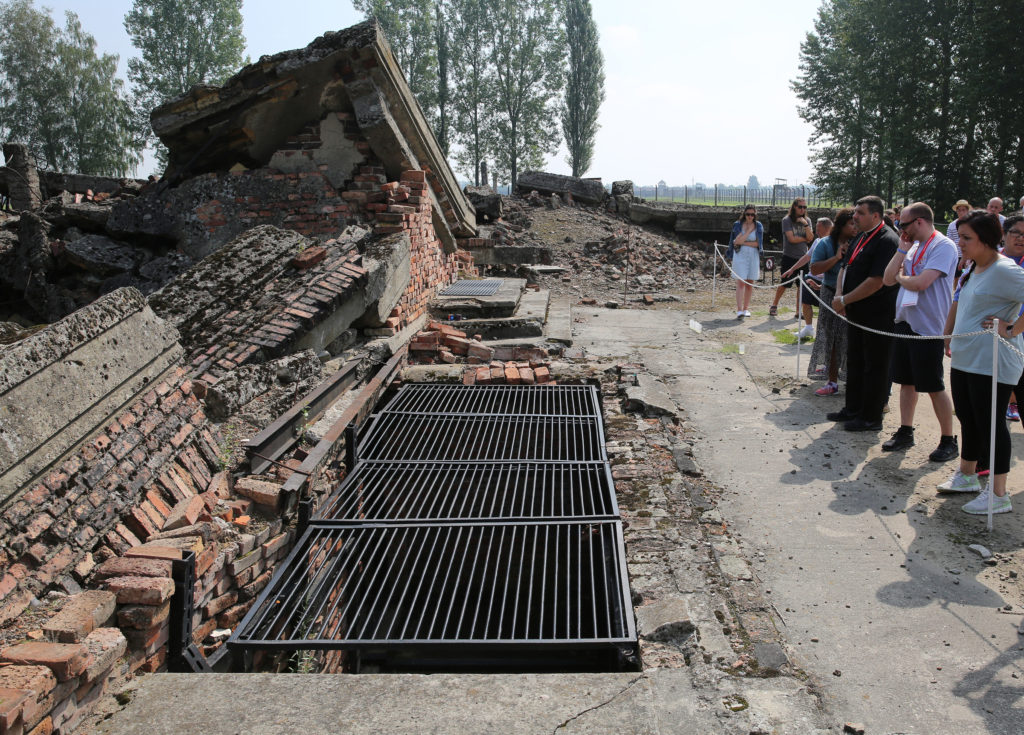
(301, 429)
(227, 449)
(304, 662)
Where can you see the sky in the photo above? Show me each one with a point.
(695, 92)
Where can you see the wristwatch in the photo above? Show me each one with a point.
(842, 299)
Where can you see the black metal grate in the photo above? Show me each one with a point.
(478, 530)
(525, 400)
(487, 287)
(454, 437)
(412, 491)
(361, 586)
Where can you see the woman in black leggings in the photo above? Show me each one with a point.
(992, 290)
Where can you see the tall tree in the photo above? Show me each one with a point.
(473, 94)
(584, 85)
(443, 98)
(61, 99)
(181, 43)
(527, 59)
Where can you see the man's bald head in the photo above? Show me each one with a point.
(995, 205)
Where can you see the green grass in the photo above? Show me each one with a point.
(785, 337)
(731, 349)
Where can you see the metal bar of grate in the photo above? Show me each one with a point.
(487, 287)
(462, 437)
(353, 587)
(528, 400)
(413, 491)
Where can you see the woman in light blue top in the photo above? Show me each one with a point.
(992, 290)
(745, 244)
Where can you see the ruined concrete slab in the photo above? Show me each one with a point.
(533, 305)
(659, 701)
(501, 304)
(388, 263)
(650, 396)
(352, 72)
(101, 255)
(486, 201)
(587, 191)
(559, 323)
(83, 369)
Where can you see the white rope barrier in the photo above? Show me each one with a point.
(994, 331)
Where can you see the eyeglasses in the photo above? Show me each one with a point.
(908, 223)
(1015, 233)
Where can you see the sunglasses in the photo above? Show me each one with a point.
(801, 206)
(750, 214)
(908, 223)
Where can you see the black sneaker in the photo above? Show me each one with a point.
(900, 440)
(862, 425)
(841, 415)
(946, 451)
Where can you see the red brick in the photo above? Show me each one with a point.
(106, 645)
(154, 551)
(140, 524)
(512, 375)
(497, 374)
(65, 660)
(469, 377)
(527, 376)
(125, 566)
(260, 491)
(141, 590)
(12, 705)
(482, 351)
(38, 680)
(45, 727)
(143, 617)
(542, 374)
(185, 513)
(81, 615)
(220, 604)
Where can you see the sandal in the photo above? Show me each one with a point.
(773, 311)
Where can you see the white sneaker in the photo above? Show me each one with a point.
(961, 483)
(746, 312)
(740, 314)
(806, 330)
(979, 506)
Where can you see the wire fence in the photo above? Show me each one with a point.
(778, 195)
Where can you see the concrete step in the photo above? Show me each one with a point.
(559, 323)
(661, 701)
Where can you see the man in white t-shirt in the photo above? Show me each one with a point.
(924, 267)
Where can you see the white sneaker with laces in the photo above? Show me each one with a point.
(979, 506)
(806, 330)
(746, 312)
(961, 483)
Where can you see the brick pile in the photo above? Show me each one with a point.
(109, 496)
(48, 686)
(405, 206)
(444, 343)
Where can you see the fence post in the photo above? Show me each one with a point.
(714, 276)
(716, 195)
(992, 429)
(744, 196)
(686, 194)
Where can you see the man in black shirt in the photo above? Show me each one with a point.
(864, 300)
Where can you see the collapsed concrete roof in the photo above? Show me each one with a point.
(245, 121)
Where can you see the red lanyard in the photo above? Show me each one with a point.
(865, 241)
(920, 253)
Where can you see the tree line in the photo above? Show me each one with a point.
(500, 80)
(915, 101)
(61, 97)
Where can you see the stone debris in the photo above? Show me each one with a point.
(981, 551)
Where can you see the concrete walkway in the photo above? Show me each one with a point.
(883, 604)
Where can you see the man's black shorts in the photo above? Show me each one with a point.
(918, 362)
(787, 263)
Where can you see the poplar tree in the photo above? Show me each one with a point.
(181, 43)
(584, 86)
(527, 59)
(473, 87)
(60, 98)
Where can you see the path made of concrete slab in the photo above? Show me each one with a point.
(903, 627)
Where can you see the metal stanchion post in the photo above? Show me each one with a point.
(799, 316)
(992, 430)
(714, 276)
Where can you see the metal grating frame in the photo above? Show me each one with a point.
(475, 438)
(414, 491)
(478, 530)
(553, 583)
(487, 287)
(522, 400)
